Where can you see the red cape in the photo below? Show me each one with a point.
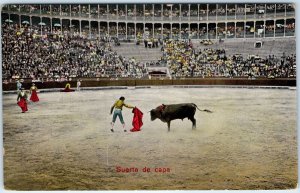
(34, 97)
(137, 121)
(23, 104)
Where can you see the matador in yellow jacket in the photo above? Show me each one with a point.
(118, 106)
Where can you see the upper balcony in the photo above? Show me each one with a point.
(158, 12)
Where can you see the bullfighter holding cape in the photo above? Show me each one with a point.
(118, 105)
(34, 97)
(22, 100)
(68, 88)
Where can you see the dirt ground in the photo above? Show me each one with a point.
(64, 141)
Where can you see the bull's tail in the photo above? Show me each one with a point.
(204, 110)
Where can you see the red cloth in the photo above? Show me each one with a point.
(137, 121)
(67, 90)
(34, 97)
(23, 104)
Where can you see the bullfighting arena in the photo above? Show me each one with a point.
(64, 141)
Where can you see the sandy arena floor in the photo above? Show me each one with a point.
(64, 141)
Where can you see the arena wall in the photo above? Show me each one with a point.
(146, 82)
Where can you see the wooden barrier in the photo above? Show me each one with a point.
(149, 82)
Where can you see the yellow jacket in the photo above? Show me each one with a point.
(119, 104)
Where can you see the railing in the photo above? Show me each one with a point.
(159, 82)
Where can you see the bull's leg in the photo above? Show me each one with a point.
(194, 123)
(169, 123)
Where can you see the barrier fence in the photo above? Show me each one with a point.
(158, 82)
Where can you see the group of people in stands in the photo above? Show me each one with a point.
(60, 57)
(57, 57)
(185, 61)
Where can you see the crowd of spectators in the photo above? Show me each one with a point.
(185, 61)
(103, 11)
(65, 10)
(240, 10)
(58, 57)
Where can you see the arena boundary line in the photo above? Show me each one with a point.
(161, 87)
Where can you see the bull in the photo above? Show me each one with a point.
(167, 113)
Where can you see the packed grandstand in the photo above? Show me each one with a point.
(62, 42)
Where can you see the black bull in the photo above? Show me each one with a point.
(167, 113)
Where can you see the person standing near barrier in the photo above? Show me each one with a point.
(22, 100)
(19, 85)
(78, 84)
(68, 88)
(118, 105)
